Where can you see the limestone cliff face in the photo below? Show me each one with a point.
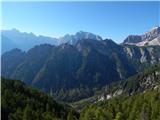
(149, 38)
(148, 54)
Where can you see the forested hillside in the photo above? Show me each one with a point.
(22, 103)
(142, 106)
(19, 102)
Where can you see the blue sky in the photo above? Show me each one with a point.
(115, 20)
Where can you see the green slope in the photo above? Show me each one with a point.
(23, 103)
(142, 106)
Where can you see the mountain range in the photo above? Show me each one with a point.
(66, 70)
(24, 41)
(15, 39)
(90, 77)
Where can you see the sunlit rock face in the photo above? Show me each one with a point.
(73, 39)
(149, 38)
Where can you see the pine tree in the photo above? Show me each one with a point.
(70, 116)
(27, 114)
(118, 116)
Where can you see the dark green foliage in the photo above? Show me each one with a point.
(22, 103)
(73, 94)
(142, 106)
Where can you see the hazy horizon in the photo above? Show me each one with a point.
(112, 20)
(69, 34)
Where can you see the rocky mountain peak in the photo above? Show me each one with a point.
(151, 37)
(73, 39)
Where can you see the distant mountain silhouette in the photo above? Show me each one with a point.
(22, 40)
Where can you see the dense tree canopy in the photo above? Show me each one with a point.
(142, 106)
(22, 103)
